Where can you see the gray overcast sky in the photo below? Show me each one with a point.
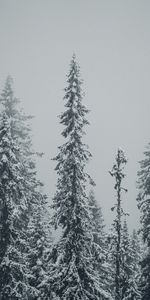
(111, 40)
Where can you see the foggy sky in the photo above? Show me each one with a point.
(111, 40)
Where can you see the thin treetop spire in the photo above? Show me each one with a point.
(74, 56)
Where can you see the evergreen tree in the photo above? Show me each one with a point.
(144, 206)
(129, 265)
(20, 133)
(111, 239)
(39, 249)
(98, 227)
(133, 269)
(13, 282)
(99, 248)
(72, 273)
(29, 194)
(117, 172)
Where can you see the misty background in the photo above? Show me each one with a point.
(111, 40)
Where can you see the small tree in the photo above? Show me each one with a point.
(132, 291)
(129, 266)
(98, 227)
(39, 249)
(117, 172)
(99, 249)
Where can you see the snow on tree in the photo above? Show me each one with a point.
(129, 265)
(39, 249)
(72, 273)
(118, 173)
(19, 133)
(13, 282)
(19, 122)
(132, 268)
(97, 220)
(143, 200)
(99, 249)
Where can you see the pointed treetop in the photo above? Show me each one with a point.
(121, 155)
(8, 86)
(73, 56)
(74, 69)
(7, 94)
(7, 90)
(9, 79)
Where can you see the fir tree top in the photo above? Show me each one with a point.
(74, 117)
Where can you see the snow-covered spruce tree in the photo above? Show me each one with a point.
(143, 200)
(129, 266)
(99, 245)
(72, 274)
(97, 220)
(39, 242)
(20, 134)
(13, 282)
(111, 240)
(132, 268)
(39, 249)
(19, 122)
(117, 172)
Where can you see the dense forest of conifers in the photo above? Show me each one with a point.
(86, 262)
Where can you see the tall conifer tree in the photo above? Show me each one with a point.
(13, 279)
(72, 275)
(117, 172)
(22, 200)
